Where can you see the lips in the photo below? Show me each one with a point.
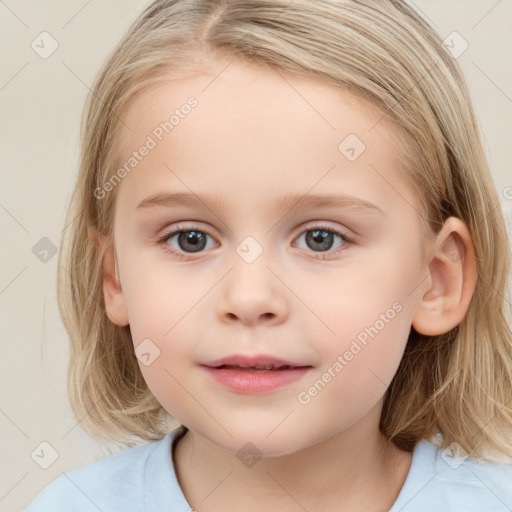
(256, 368)
(255, 375)
(256, 362)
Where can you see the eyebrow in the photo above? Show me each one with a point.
(286, 202)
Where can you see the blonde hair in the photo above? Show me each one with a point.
(458, 383)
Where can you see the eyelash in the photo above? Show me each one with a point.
(180, 228)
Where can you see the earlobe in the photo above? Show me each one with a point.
(115, 304)
(452, 281)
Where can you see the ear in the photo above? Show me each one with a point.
(452, 281)
(112, 292)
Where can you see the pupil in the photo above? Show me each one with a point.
(193, 239)
(321, 237)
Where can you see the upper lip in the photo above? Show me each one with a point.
(253, 361)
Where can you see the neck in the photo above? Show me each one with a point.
(356, 469)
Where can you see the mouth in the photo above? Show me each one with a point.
(257, 362)
(255, 374)
(260, 369)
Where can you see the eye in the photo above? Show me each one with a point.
(321, 239)
(184, 240)
(187, 240)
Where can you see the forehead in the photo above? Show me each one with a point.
(253, 128)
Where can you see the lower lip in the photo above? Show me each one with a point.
(255, 383)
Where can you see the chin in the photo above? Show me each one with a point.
(258, 444)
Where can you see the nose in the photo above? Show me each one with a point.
(252, 294)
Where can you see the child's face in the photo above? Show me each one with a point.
(344, 309)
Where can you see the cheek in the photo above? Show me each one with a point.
(171, 345)
(368, 348)
(369, 315)
(373, 293)
(159, 297)
(164, 311)
(358, 366)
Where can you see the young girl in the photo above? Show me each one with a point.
(285, 236)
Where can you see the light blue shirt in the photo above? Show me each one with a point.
(142, 479)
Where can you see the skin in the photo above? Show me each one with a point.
(255, 136)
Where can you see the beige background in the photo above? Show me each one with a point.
(41, 102)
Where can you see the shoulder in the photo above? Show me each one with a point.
(476, 475)
(453, 482)
(112, 483)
